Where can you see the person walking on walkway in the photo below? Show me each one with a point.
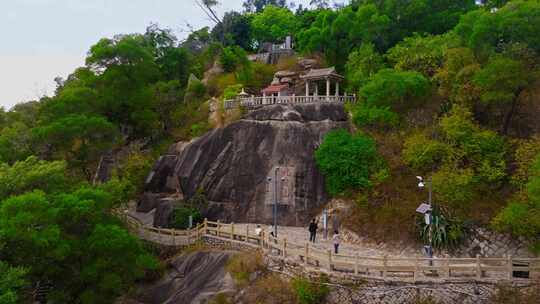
(336, 239)
(313, 226)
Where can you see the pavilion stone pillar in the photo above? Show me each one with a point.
(337, 88)
(264, 98)
(327, 87)
(316, 89)
(307, 87)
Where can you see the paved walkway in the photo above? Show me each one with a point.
(351, 243)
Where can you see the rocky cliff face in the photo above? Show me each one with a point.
(238, 166)
(191, 278)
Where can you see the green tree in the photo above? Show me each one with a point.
(273, 24)
(32, 174)
(235, 29)
(72, 240)
(423, 54)
(232, 58)
(394, 89)
(455, 78)
(501, 81)
(361, 65)
(348, 161)
(521, 217)
(12, 280)
(258, 6)
(79, 139)
(127, 69)
(15, 142)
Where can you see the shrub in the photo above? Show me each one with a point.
(270, 289)
(364, 115)
(233, 57)
(447, 232)
(181, 217)
(510, 295)
(135, 169)
(454, 186)
(420, 152)
(242, 265)
(348, 161)
(310, 292)
(232, 91)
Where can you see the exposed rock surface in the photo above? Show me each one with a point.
(232, 164)
(192, 278)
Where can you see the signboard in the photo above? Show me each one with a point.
(423, 208)
(285, 186)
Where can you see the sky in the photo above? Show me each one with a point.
(43, 39)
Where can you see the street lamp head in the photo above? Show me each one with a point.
(421, 185)
(419, 178)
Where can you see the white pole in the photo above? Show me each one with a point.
(327, 87)
(307, 87)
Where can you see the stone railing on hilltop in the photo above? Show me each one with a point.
(402, 269)
(255, 102)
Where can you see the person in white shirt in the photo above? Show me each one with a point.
(336, 238)
(258, 230)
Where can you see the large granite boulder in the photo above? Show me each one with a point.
(236, 166)
(191, 279)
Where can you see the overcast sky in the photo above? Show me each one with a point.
(42, 39)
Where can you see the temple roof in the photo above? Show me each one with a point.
(315, 74)
(275, 88)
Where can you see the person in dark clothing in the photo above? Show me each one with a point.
(336, 240)
(313, 230)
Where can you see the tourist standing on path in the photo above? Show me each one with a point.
(313, 226)
(336, 239)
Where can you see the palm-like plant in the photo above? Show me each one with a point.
(447, 232)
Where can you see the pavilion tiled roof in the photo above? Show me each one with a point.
(275, 88)
(322, 73)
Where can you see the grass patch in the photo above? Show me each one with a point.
(310, 292)
(242, 265)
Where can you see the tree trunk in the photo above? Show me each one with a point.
(509, 115)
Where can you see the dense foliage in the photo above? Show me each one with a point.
(349, 161)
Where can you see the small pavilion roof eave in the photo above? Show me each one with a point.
(319, 74)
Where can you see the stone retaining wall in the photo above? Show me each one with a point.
(489, 243)
(348, 289)
(225, 244)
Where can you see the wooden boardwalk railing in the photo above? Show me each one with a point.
(255, 102)
(363, 266)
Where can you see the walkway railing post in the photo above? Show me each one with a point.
(205, 226)
(385, 264)
(173, 237)
(247, 233)
(284, 251)
(415, 273)
(306, 256)
(509, 267)
(218, 228)
(232, 230)
(189, 236)
(356, 264)
(329, 259)
(478, 267)
(447, 266)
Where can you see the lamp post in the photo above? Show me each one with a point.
(427, 211)
(274, 198)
